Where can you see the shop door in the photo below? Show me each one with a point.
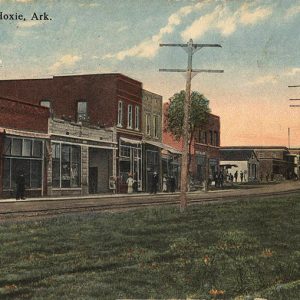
(137, 167)
(93, 180)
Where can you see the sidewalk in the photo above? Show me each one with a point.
(284, 186)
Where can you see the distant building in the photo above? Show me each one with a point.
(274, 161)
(240, 160)
(152, 135)
(204, 148)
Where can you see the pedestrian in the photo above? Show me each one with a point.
(20, 186)
(221, 179)
(231, 179)
(236, 176)
(241, 176)
(130, 182)
(154, 183)
(135, 183)
(261, 177)
(217, 183)
(267, 177)
(165, 186)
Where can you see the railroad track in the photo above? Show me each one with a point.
(133, 203)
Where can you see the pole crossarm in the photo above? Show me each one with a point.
(294, 99)
(172, 70)
(193, 70)
(294, 105)
(293, 85)
(194, 45)
(207, 71)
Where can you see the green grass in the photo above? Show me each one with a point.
(248, 248)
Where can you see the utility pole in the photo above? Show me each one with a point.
(289, 137)
(190, 48)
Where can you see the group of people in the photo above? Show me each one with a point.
(219, 179)
(168, 184)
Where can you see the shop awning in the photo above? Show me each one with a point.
(228, 166)
(130, 141)
(26, 133)
(163, 146)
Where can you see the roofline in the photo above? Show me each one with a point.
(51, 77)
(98, 74)
(253, 147)
(12, 99)
(144, 90)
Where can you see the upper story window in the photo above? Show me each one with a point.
(211, 137)
(120, 113)
(137, 117)
(82, 111)
(155, 126)
(129, 117)
(205, 138)
(217, 142)
(45, 103)
(148, 124)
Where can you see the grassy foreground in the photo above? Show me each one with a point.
(218, 251)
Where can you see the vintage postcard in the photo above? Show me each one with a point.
(149, 149)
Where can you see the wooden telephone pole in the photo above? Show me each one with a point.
(190, 48)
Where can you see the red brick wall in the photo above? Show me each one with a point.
(23, 116)
(101, 91)
(1, 163)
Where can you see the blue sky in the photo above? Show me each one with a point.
(260, 53)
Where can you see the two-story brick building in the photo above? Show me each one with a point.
(103, 100)
(56, 156)
(205, 154)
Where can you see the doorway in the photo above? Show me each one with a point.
(93, 180)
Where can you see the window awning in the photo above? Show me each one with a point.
(163, 146)
(25, 133)
(130, 141)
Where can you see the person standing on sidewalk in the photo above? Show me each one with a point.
(154, 183)
(130, 182)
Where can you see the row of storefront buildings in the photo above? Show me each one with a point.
(85, 134)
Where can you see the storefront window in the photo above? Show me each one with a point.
(66, 165)
(6, 172)
(7, 146)
(16, 149)
(37, 149)
(19, 158)
(55, 165)
(27, 147)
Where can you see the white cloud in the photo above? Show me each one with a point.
(29, 24)
(273, 79)
(292, 11)
(148, 48)
(251, 17)
(202, 25)
(122, 28)
(65, 61)
(89, 4)
(225, 21)
(292, 71)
